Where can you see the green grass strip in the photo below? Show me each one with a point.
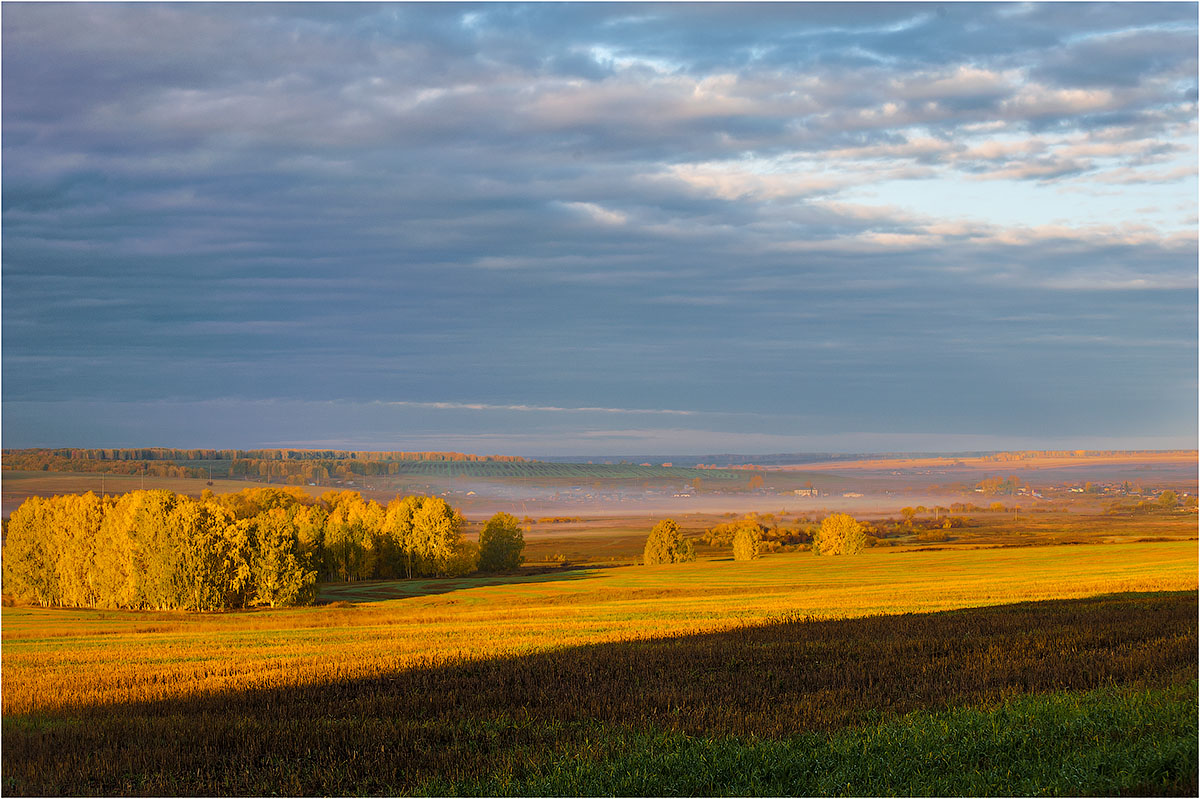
(1101, 743)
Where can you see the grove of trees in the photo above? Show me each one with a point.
(260, 547)
(769, 532)
(999, 485)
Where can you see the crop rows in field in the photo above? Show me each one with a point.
(1093, 696)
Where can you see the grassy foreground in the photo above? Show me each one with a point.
(1105, 742)
(1093, 696)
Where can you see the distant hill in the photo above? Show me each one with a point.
(789, 458)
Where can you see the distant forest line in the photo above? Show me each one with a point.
(730, 460)
(323, 467)
(169, 454)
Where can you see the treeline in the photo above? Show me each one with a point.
(318, 472)
(1077, 453)
(42, 461)
(263, 546)
(295, 472)
(764, 529)
(756, 534)
(297, 467)
(168, 454)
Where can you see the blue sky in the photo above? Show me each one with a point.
(603, 229)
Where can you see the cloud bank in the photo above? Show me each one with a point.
(962, 219)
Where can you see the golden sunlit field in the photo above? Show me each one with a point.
(57, 658)
(154, 703)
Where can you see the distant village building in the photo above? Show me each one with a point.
(805, 492)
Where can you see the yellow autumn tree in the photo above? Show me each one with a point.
(28, 575)
(159, 550)
(350, 537)
(398, 557)
(437, 540)
(666, 544)
(839, 534)
(747, 541)
(208, 566)
(77, 529)
(281, 572)
(135, 554)
(501, 543)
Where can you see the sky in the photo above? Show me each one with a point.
(604, 229)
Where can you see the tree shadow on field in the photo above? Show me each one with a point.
(364, 591)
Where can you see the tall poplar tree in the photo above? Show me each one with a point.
(29, 555)
(350, 538)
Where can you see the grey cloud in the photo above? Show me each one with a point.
(374, 94)
(525, 203)
(1125, 58)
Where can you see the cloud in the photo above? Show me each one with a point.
(589, 209)
(290, 424)
(740, 180)
(1129, 175)
(597, 213)
(1123, 58)
(483, 406)
(1107, 280)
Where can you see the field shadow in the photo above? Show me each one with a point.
(464, 718)
(366, 591)
(469, 718)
